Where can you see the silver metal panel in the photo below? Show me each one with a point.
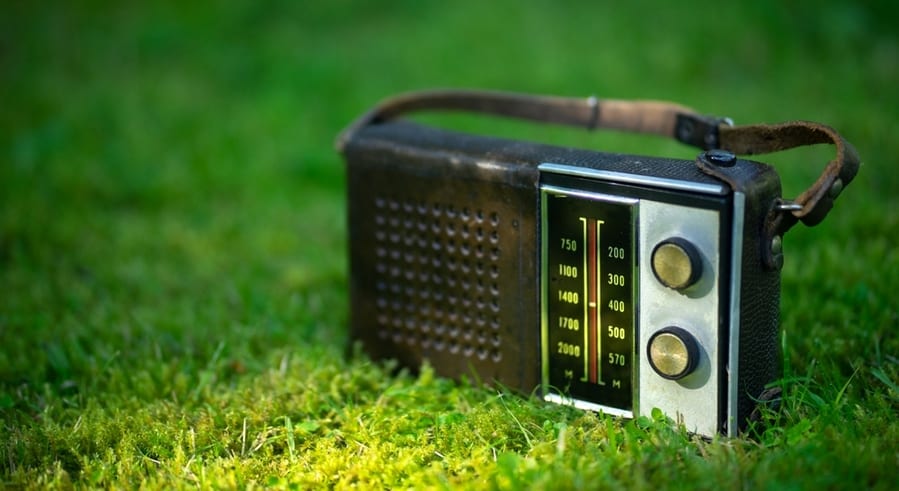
(693, 400)
(557, 399)
(658, 182)
(736, 262)
(546, 188)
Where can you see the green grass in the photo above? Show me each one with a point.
(172, 242)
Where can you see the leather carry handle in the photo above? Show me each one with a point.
(650, 117)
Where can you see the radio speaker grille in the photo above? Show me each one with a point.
(437, 275)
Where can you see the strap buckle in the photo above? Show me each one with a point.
(700, 131)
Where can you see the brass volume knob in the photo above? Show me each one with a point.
(676, 263)
(673, 353)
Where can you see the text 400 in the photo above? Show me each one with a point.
(568, 296)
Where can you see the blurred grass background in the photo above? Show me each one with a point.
(172, 240)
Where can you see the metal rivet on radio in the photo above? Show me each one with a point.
(777, 245)
(721, 158)
(835, 189)
(777, 249)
